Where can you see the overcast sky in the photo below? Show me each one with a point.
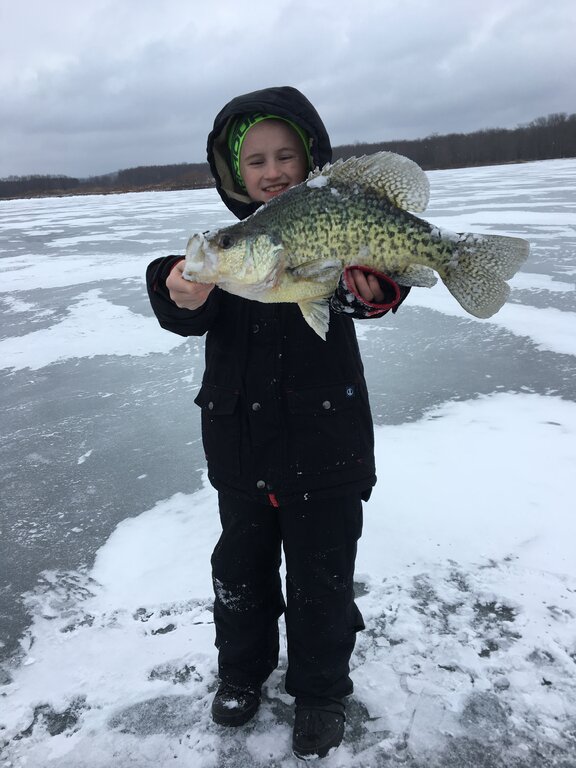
(92, 86)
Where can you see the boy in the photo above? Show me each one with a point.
(288, 437)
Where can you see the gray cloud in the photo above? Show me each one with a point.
(91, 87)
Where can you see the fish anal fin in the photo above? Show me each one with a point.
(415, 275)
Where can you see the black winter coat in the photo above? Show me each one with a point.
(285, 415)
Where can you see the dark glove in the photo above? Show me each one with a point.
(346, 300)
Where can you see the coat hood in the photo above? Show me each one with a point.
(283, 101)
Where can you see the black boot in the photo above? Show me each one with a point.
(318, 727)
(234, 705)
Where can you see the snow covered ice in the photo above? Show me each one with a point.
(466, 574)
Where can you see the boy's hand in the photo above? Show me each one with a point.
(366, 285)
(365, 292)
(185, 294)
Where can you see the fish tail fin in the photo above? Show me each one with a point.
(480, 266)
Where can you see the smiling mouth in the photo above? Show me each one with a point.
(275, 189)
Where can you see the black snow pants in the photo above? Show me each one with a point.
(320, 542)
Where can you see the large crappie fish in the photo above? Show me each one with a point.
(352, 213)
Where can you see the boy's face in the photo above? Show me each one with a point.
(272, 160)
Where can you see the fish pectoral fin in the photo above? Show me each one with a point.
(321, 270)
(317, 315)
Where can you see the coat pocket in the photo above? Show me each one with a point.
(329, 429)
(220, 427)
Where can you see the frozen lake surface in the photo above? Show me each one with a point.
(466, 572)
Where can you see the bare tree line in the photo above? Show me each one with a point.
(545, 138)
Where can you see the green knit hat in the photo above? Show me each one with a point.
(240, 126)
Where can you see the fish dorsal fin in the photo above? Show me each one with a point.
(386, 174)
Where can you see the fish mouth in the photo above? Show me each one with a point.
(200, 262)
(195, 253)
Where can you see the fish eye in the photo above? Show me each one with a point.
(226, 241)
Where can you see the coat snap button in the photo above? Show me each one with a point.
(260, 484)
(210, 406)
(256, 406)
(326, 404)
